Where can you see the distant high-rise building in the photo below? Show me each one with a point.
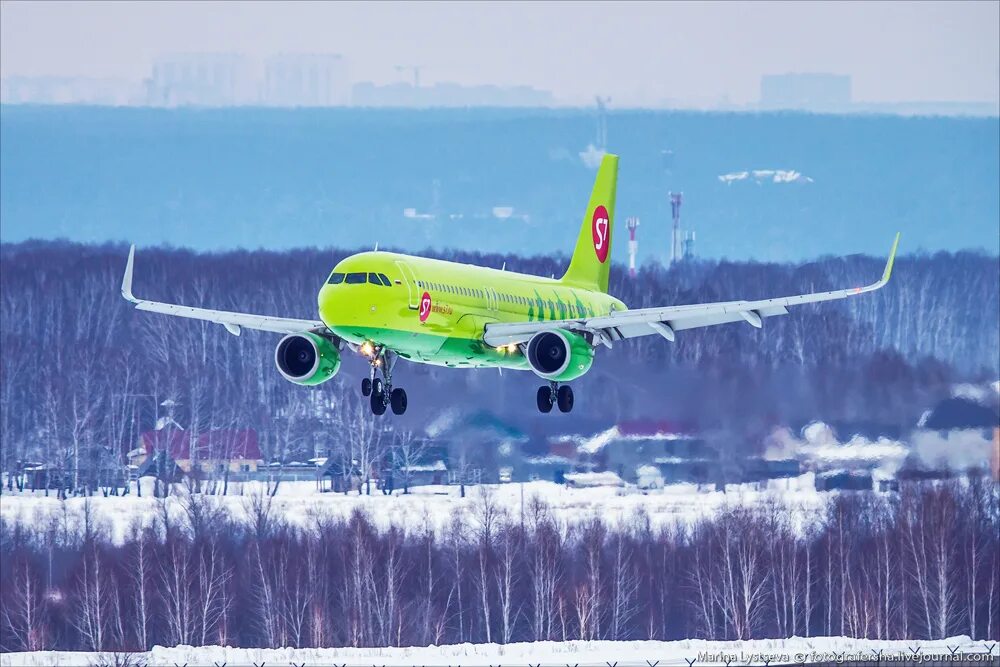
(813, 92)
(201, 79)
(306, 80)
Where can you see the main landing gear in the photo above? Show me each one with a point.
(379, 389)
(553, 394)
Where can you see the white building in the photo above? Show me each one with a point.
(68, 90)
(306, 80)
(202, 79)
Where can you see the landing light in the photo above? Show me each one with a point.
(367, 349)
(512, 348)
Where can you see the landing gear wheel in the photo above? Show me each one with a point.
(544, 399)
(398, 401)
(564, 398)
(377, 387)
(378, 402)
(366, 387)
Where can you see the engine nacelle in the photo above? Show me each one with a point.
(559, 355)
(306, 358)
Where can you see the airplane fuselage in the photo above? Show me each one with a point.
(434, 312)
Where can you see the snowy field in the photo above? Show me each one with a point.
(434, 506)
(603, 653)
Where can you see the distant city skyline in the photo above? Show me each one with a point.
(639, 54)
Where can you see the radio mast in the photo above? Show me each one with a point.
(633, 245)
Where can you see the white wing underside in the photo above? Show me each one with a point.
(233, 322)
(667, 320)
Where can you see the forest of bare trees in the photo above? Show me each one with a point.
(82, 374)
(921, 564)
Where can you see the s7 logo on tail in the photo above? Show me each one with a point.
(600, 226)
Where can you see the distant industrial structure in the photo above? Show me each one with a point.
(681, 240)
(602, 122)
(812, 92)
(592, 155)
(633, 245)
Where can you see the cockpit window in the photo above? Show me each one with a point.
(336, 278)
(355, 278)
(374, 279)
(385, 280)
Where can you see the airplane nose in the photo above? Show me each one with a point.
(330, 306)
(343, 305)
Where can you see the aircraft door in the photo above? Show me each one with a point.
(410, 280)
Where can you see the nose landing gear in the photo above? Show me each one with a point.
(380, 390)
(554, 394)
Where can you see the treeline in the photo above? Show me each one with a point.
(925, 564)
(82, 373)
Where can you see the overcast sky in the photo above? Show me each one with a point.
(691, 53)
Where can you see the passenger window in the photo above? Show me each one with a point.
(385, 280)
(336, 278)
(355, 278)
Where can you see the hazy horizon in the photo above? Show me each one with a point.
(637, 53)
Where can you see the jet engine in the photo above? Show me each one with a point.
(307, 358)
(559, 355)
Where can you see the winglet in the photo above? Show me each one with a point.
(891, 260)
(127, 278)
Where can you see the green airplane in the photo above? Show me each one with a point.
(387, 306)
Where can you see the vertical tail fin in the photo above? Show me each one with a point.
(591, 260)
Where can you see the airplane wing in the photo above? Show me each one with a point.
(233, 322)
(667, 320)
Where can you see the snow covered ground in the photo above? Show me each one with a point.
(688, 652)
(434, 506)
